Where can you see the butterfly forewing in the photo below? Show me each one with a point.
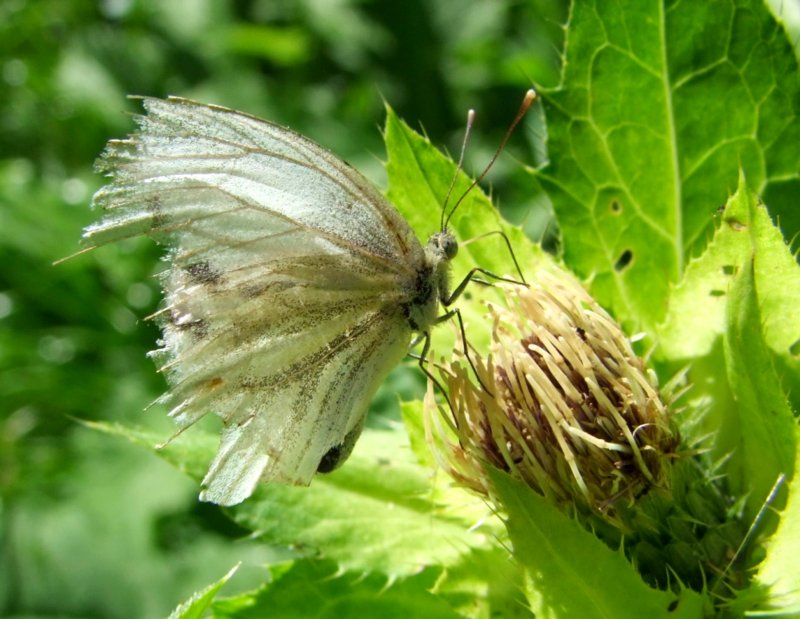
(288, 286)
(263, 168)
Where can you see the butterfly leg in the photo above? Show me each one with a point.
(471, 278)
(457, 313)
(508, 246)
(422, 358)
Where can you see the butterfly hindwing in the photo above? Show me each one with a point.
(312, 407)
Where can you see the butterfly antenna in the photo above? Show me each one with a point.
(467, 133)
(527, 102)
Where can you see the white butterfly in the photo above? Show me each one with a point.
(293, 286)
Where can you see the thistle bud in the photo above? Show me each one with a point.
(562, 402)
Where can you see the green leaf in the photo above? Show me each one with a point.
(761, 429)
(779, 573)
(745, 287)
(376, 514)
(419, 178)
(572, 573)
(661, 103)
(195, 606)
(318, 589)
(190, 452)
(698, 305)
(486, 585)
(412, 413)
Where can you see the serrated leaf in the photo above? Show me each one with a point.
(486, 585)
(376, 514)
(779, 573)
(572, 573)
(373, 515)
(318, 589)
(761, 429)
(698, 305)
(190, 452)
(195, 606)
(419, 178)
(661, 103)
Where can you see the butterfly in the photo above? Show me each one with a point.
(293, 286)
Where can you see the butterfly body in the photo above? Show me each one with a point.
(432, 285)
(293, 286)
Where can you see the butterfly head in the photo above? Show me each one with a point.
(443, 245)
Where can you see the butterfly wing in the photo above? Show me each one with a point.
(288, 274)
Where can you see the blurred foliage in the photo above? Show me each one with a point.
(90, 526)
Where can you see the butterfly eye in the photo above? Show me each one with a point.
(449, 245)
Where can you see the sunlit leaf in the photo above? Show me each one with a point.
(571, 572)
(660, 105)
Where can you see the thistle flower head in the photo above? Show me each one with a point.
(562, 402)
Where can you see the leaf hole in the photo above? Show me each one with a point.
(729, 269)
(615, 206)
(673, 606)
(735, 224)
(624, 260)
(203, 273)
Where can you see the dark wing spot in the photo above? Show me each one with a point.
(330, 460)
(337, 454)
(202, 273)
(213, 383)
